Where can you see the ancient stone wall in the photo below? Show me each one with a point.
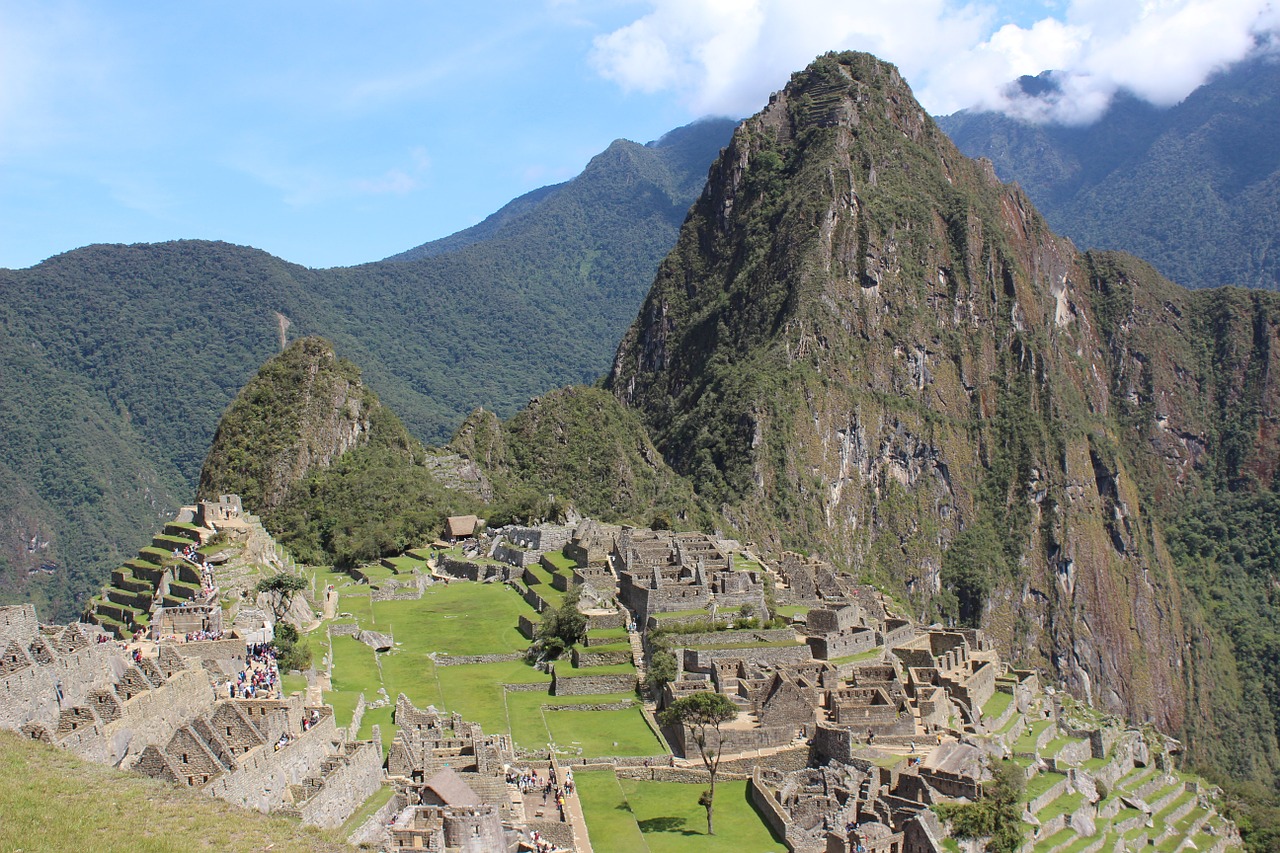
(463, 660)
(31, 692)
(584, 685)
(212, 649)
(515, 556)
(473, 571)
(842, 644)
(768, 807)
(702, 660)
(347, 787)
(18, 622)
(583, 657)
(606, 620)
(265, 774)
(711, 638)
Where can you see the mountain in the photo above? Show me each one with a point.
(579, 445)
(866, 345)
(334, 472)
(119, 360)
(1193, 188)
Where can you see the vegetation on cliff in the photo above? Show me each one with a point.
(577, 446)
(332, 471)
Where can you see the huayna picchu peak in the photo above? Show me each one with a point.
(865, 344)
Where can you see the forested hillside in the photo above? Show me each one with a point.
(123, 357)
(1194, 188)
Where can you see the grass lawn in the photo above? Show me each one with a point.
(457, 619)
(1042, 782)
(53, 801)
(996, 705)
(669, 818)
(405, 564)
(603, 732)
(412, 675)
(610, 823)
(1027, 743)
(559, 560)
(293, 683)
(680, 614)
(869, 654)
(354, 672)
(375, 572)
(611, 669)
(475, 691)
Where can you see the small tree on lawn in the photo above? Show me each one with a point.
(703, 713)
(280, 590)
(560, 628)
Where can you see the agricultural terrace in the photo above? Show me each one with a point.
(504, 695)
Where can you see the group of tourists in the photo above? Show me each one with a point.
(540, 844)
(530, 782)
(260, 677)
(197, 636)
(309, 720)
(195, 558)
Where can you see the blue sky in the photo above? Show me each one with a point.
(333, 133)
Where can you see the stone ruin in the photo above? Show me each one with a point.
(160, 714)
(452, 788)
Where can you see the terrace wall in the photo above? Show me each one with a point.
(264, 775)
(584, 685)
(346, 788)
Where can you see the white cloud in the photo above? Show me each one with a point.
(726, 57)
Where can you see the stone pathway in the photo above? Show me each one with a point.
(573, 810)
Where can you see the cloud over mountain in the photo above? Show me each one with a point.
(726, 57)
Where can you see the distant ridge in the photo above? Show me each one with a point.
(118, 360)
(1194, 188)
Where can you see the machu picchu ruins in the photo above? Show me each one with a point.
(853, 725)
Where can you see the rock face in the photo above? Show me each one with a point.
(303, 410)
(864, 342)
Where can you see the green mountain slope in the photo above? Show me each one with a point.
(147, 344)
(332, 471)
(864, 343)
(1194, 188)
(578, 445)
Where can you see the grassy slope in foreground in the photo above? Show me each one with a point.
(53, 801)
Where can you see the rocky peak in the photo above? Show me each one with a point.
(864, 340)
(303, 410)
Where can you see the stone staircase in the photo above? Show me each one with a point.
(642, 671)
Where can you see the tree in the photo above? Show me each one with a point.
(703, 713)
(566, 623)
(560, 628)
(997, 817)
(662, 669)
(280, 590)
(291, 653)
